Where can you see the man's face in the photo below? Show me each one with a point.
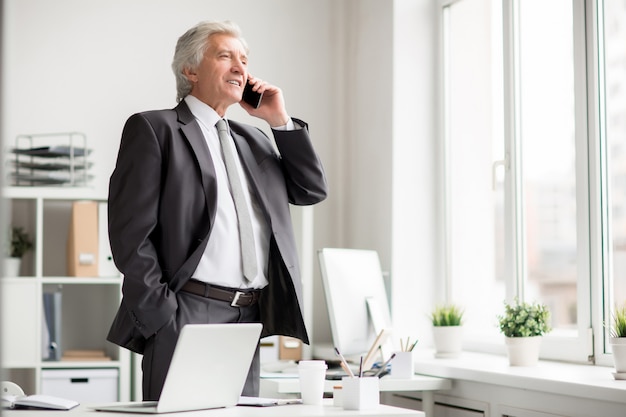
(221, 76)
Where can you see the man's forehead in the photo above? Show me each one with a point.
(226, 42)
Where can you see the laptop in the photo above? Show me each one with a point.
(208, 370)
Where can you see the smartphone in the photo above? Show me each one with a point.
(251, 97)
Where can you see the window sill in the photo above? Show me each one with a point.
(572, 380)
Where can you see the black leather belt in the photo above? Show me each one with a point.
(234, 297)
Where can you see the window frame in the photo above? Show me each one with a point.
(602, 298)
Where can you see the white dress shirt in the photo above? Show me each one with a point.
(221, 262)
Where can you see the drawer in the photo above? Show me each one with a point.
(82, 385)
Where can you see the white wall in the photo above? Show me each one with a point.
(359, 71)
(384, 171)
(76, 65)
(358, 209)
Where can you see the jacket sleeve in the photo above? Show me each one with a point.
(134, 192)
(304, 174)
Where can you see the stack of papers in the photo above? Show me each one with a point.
(53, 151)
(38, 401)
(50, 165)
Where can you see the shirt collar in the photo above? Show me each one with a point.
(202, 111)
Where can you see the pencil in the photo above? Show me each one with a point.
(384, 365)
(376, 345)
(345, 368)
(344, 362)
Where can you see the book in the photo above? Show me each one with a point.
(47, 402)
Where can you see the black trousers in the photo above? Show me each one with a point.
(194, 309)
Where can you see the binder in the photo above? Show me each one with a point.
(52, 325)
(106, 266)
(82, 240)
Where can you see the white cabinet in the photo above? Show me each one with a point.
(88, 303)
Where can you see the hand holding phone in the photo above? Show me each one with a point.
(253, 98)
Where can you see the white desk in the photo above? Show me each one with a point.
(327, 410)
(290, 388)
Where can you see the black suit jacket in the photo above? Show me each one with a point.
(162, 208)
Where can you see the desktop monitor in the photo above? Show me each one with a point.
(355, 297)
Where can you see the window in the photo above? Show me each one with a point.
(473, 140)
(516, 166)
(548, 157)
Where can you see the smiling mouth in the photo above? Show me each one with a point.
(237, 83)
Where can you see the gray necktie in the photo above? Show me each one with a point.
(246, 238)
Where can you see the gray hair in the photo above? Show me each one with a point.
(191, 47)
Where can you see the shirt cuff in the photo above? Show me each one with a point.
(291, 125)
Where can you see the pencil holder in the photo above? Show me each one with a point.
(402, 366)
(360, 393)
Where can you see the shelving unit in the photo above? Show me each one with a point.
(88, 303)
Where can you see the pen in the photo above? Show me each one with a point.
(411, 350)
(344, 363)
(384, 365)
(361, 368)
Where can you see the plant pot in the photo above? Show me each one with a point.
(12, 267)
(523, 351)
(448, 341)
(618, 346)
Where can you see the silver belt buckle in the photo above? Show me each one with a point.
(236, 299)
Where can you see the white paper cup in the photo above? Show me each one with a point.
(312, 376)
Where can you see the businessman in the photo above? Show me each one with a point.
(199, 219)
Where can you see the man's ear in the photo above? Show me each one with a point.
(190, 74)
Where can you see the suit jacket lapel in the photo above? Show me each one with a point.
(191, 131)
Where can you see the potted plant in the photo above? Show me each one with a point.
(523, 325)
(447, 320)
(618, 341)
(19, 243)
